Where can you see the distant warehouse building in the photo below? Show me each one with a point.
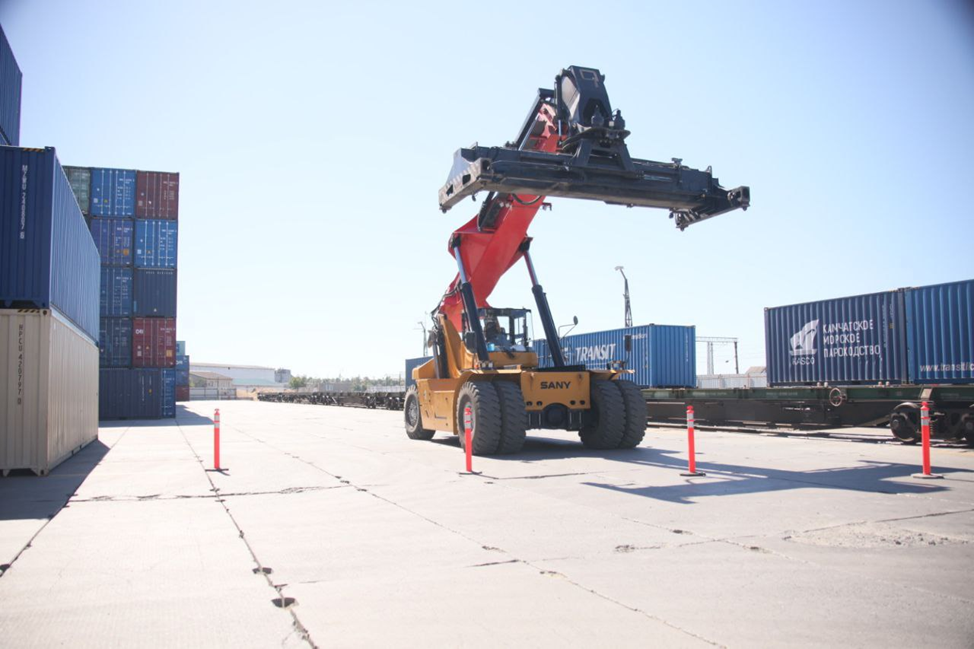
(257, 375)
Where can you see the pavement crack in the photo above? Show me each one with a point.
(285, 603)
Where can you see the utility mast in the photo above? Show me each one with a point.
(626, 296)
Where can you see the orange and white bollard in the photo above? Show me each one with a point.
(468, 437)
(692, 470)
(216, 439)
(925, 433)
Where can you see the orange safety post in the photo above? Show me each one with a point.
(216, 440)
(692, 472)
(925, 433)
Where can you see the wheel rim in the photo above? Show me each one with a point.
(412, 413)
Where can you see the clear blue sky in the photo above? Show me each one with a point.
(312, 141)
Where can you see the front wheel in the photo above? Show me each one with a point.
(479, 407)
(413, 416)
(635, 422)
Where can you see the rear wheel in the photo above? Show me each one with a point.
(413, 416)
(480, 408)
(514, 417)
(605, 427)
(635, 419)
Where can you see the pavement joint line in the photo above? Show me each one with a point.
(229, 494)
(514, 559)
(296, 622)
(8, 566)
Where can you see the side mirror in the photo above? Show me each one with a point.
(470, 340)
(575, 320)
(628, 342)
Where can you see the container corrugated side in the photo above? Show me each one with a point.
(156, 243)
(940, 332)
(115, 342)
(661, 356)
(849, 340)
(182, 392)
(47, 257)
(168, 406)
(48, 389)
(116, 292)
(155, 293)
(157, 195)
(80, 180)
(11, 85)
(112, 192)
(153, 342)
(113, 238)
(129, 394)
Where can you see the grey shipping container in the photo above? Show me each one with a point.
(80, 180)
(11, 83)
(155, 293)
(661, 356)
(48, 389)
(129, 394)
(850, 340)
(411, 364)
(47, 256)
(116, 292)
(115, 342)
(940, 333)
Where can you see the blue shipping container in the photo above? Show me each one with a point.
(411, 364)
(129, 394)
(182, 367)
(47, 257)
(116, 292)
(155, 293)
(11, 82)
(850, 340)
(112, 192)
(168, 408)
(113, 237)
(940, 333)
(155, 243)
(115, 342)
(661, 356)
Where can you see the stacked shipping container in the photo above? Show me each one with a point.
(48, 315)
(11, 81)
(133, 220)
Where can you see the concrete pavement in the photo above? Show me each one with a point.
(330, 527)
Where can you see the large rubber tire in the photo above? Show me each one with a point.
(414, 416)
(514, 417)
(635, 423)
(606, 426)
(485, 414)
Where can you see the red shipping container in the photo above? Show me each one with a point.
(182, 393)
(153, 342)
(156, 195)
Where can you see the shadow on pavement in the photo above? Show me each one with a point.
(728, 479)
(186, 417)
(25, 495)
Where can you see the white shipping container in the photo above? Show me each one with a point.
(48, 390)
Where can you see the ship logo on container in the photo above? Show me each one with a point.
(803, 342)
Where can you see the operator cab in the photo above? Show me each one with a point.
(506, 330)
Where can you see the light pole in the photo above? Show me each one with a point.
(423, 325)
(626, 296)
